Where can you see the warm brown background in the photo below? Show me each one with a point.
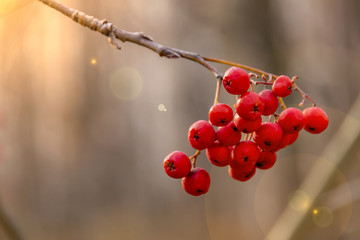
(80, 162)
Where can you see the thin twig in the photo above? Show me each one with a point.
(252, 69)
(258, 82)
(282, 103)
(217, 91)
(303, 94)
(194, 157)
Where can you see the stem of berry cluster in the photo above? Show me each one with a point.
(282, 103)
(194, 157)
(217, 91)
(264, 83)
(304, 95)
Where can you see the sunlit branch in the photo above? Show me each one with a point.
(114, 33)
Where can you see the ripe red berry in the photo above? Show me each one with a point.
(220, 114)
(250, 106)
(291, 120)
(241, 175)
(286, 140)
(316, 120)
(218, 154)
(245, 156)
(246, 126)
(268, 136)
(197, 182)
(236, 81)
(271, 102)
(266, 159)
(201, 135)
(177, 164)
(293, 138)
(282, 86)
(228, 135)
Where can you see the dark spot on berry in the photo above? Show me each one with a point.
(235, 129)
(170, 165)
(247, 175)
(259, 164)
(228, 83)
(311, 129)
(245, 130)
(289, 88)
(296, 127)
(216, 161)
(267, 143)
(222, 121)
(199, 190)
(196, 136)
(256, 108)
(246, 158)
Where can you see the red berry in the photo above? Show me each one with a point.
(268, 136)
(201, 135)
(282, 86)
(271, 102)
(245, 155)
(293, 138)
(291, 120)
(316, 120)
(246, 126)
(266, 160)
(241, 175)
(197, 182)
(228, 135)
(286, 140)
(177, 164)
(250, 106)
(220, 114)
(218, 154)
(236, 81)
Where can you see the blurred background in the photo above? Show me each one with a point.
(84, 128)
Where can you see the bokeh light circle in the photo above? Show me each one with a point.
(126, 83)
(162, 108)
(268, 209)
(322, 216)
(299, 200)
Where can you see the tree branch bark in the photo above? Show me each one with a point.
(112, 32)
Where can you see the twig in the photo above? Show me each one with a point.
(194, 158)
(112, 32)
(304, 95)
(217, 91)
(252, 69)
(282, 103)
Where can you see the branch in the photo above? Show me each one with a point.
(114, 33)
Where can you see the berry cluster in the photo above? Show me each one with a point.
(243, 141)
